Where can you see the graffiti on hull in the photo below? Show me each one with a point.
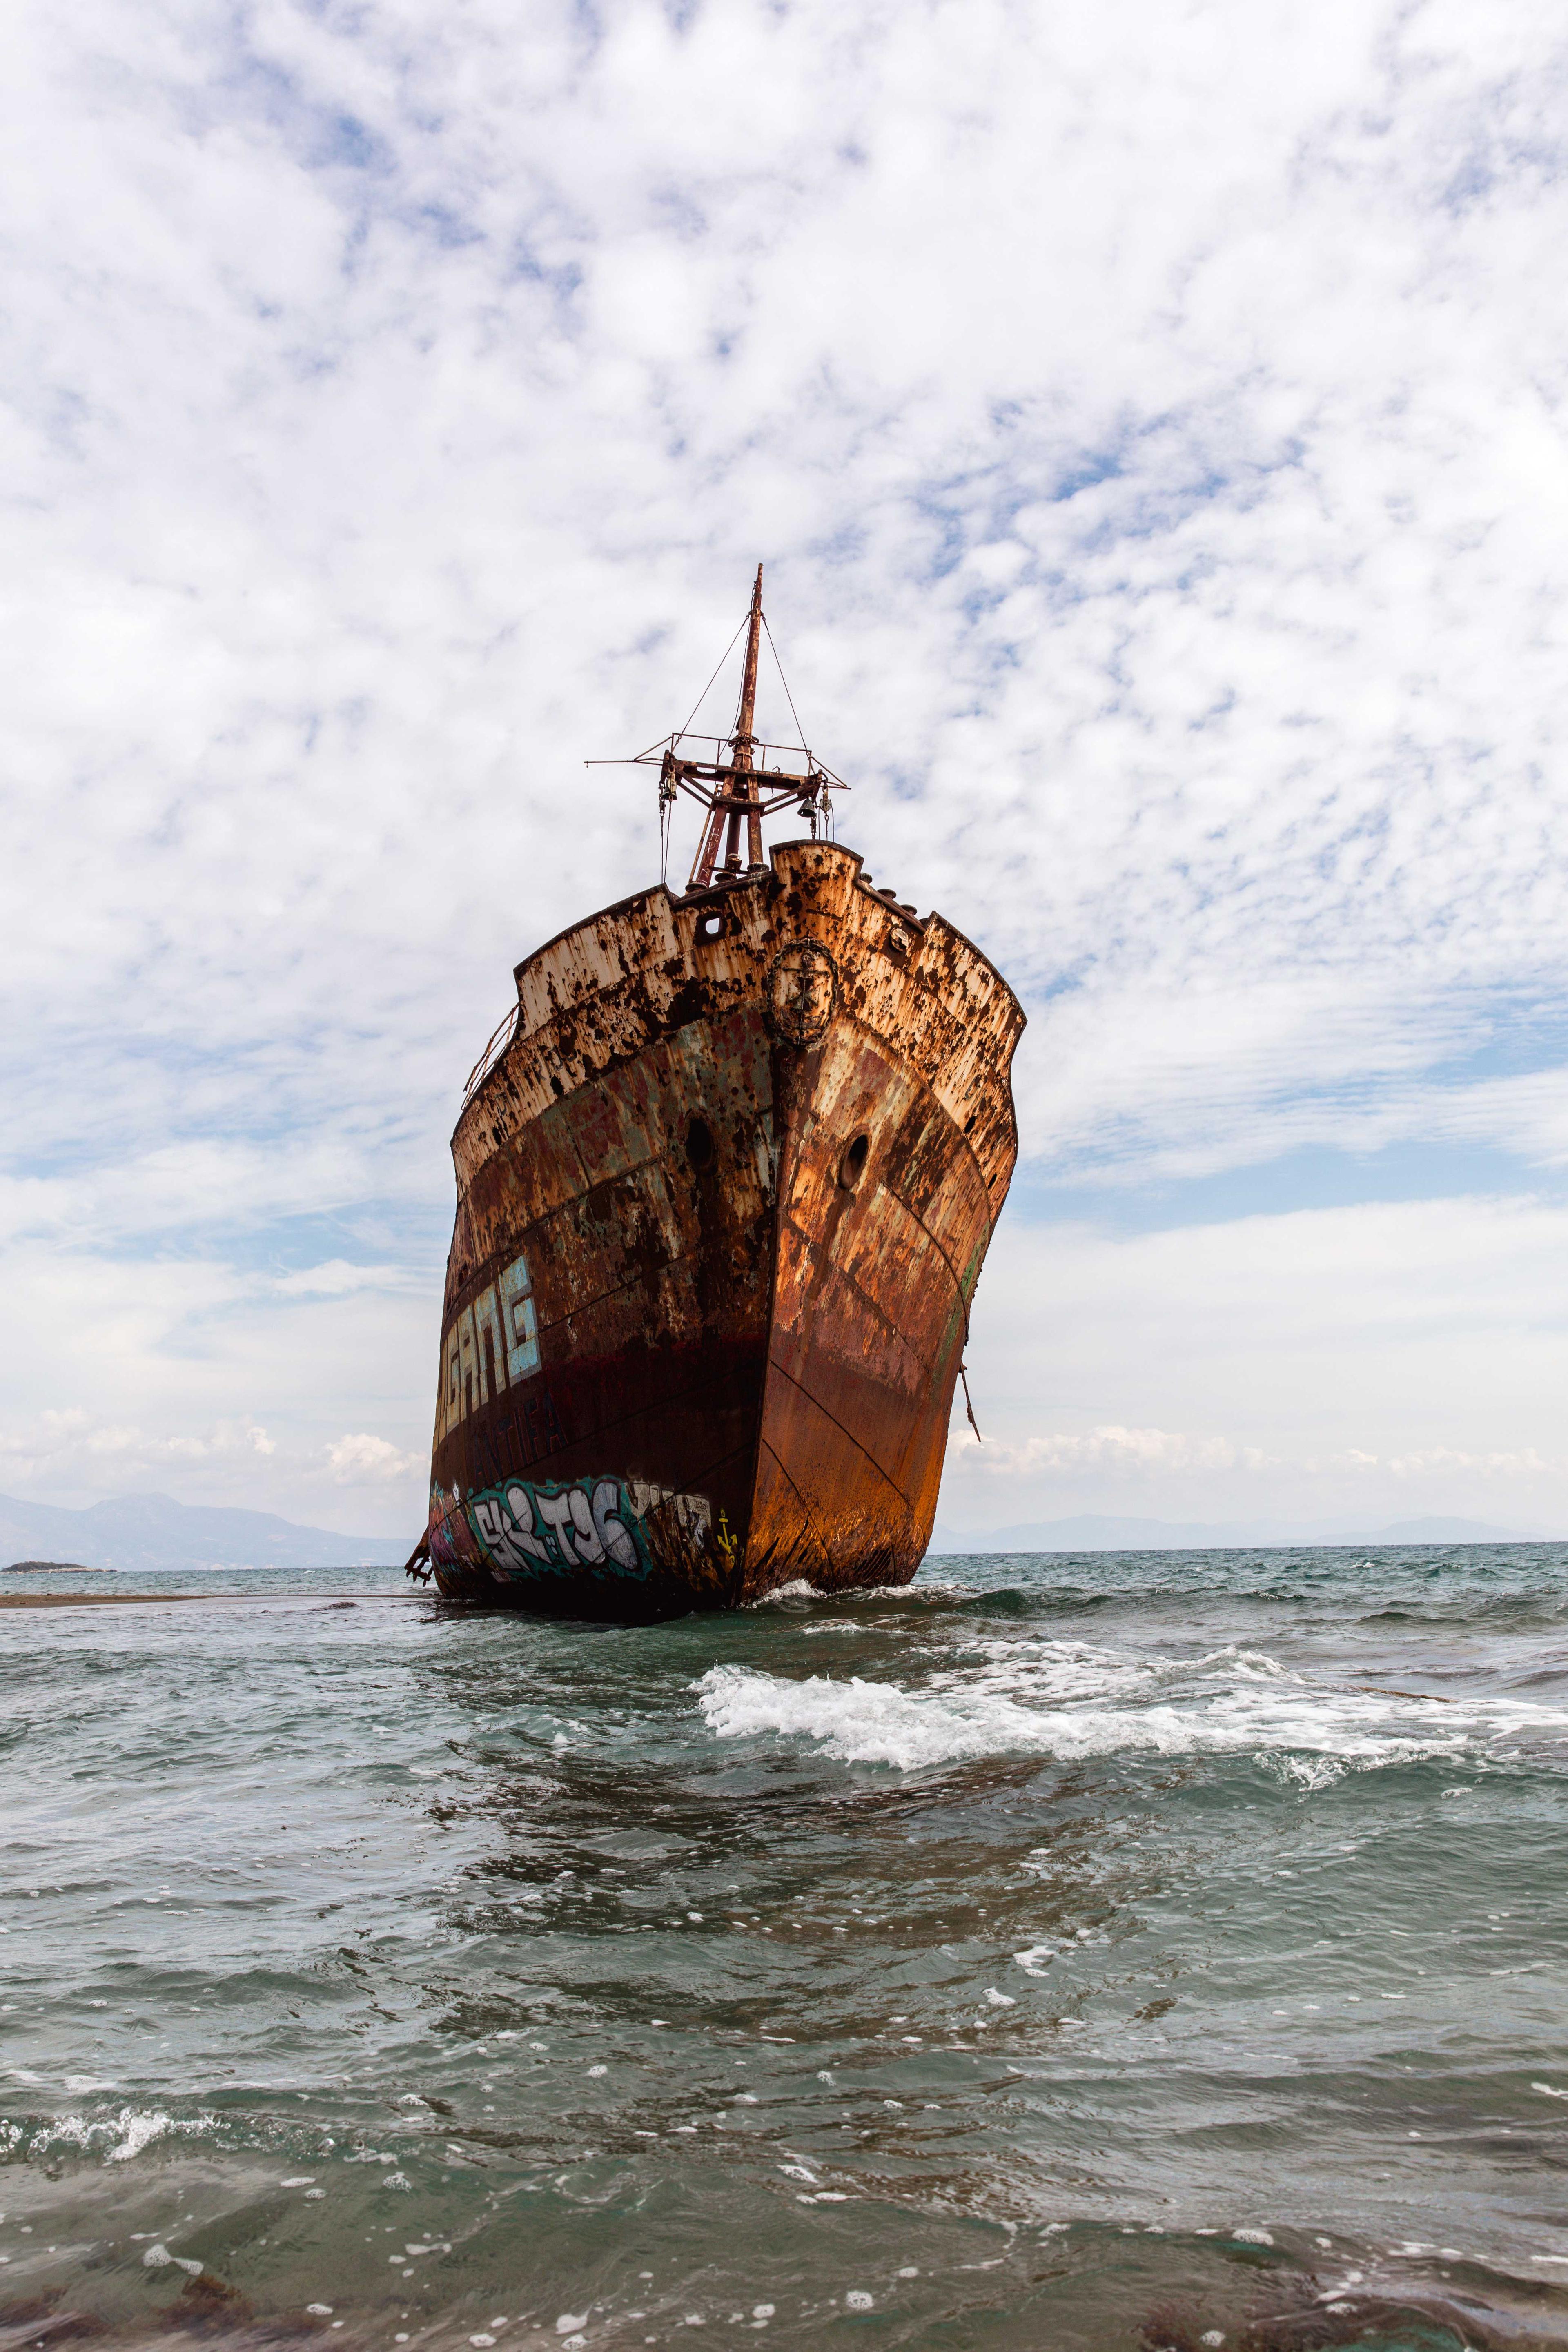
(589, 1523)
(525, 1527)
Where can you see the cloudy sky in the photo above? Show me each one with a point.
(1153, 419)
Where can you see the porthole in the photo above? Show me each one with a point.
(699, 1144)
(712, 927)
(852, 1167)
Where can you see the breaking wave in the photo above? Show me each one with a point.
(1068, 1701)
(117, 2138)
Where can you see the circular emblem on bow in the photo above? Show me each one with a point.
(801, 990)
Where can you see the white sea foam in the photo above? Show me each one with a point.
(1071, 1699)
(799, 1591)
(130, 2131)
(139, 2131)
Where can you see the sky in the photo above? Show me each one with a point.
(1153, 421)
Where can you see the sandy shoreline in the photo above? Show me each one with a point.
(126, 1600)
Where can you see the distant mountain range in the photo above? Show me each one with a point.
(1094, 1531)
(153, 1531)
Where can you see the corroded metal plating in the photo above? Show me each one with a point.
(723, 1199)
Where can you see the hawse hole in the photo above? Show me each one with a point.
(852, 1167)
(699, 1143)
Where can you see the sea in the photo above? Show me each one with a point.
(1145, 1950)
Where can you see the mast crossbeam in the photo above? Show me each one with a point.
(744, 787)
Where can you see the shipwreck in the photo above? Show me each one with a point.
(726, 1179)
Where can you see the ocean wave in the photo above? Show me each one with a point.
(1078, 1704)
(799, 1593)
(1440, 1591)
(118, 2137)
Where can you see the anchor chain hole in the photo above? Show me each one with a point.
(852, 1167)
(699, 1144)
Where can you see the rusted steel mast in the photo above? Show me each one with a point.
(738, 795)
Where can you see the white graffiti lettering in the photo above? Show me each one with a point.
(589, 1546)
(591, 1524)
(508, 1534)
(556, 1511)
(612, 1531)
(491, 1522)
(527, 1543)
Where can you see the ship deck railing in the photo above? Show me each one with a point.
(792, 762)
(500, 1038)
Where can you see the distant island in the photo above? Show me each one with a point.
(35, 1567)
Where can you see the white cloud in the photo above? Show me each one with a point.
(1117, 1460)
(1399, 1355)
(1528, 1465)
(170, 1364)
(359, 1459)
(1109, 1451)
(1156, 435)
(66, 1442)
(337, 1278)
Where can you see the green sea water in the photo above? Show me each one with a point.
(1115, 1951)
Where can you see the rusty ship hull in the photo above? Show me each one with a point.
(723, 1198)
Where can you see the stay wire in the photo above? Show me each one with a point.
(717, 667)
(800, 731)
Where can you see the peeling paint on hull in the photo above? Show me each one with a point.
(723, 1202)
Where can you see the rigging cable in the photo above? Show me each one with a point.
(784, 681)
(666, 800)
(717, 667)
(969, 1408)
